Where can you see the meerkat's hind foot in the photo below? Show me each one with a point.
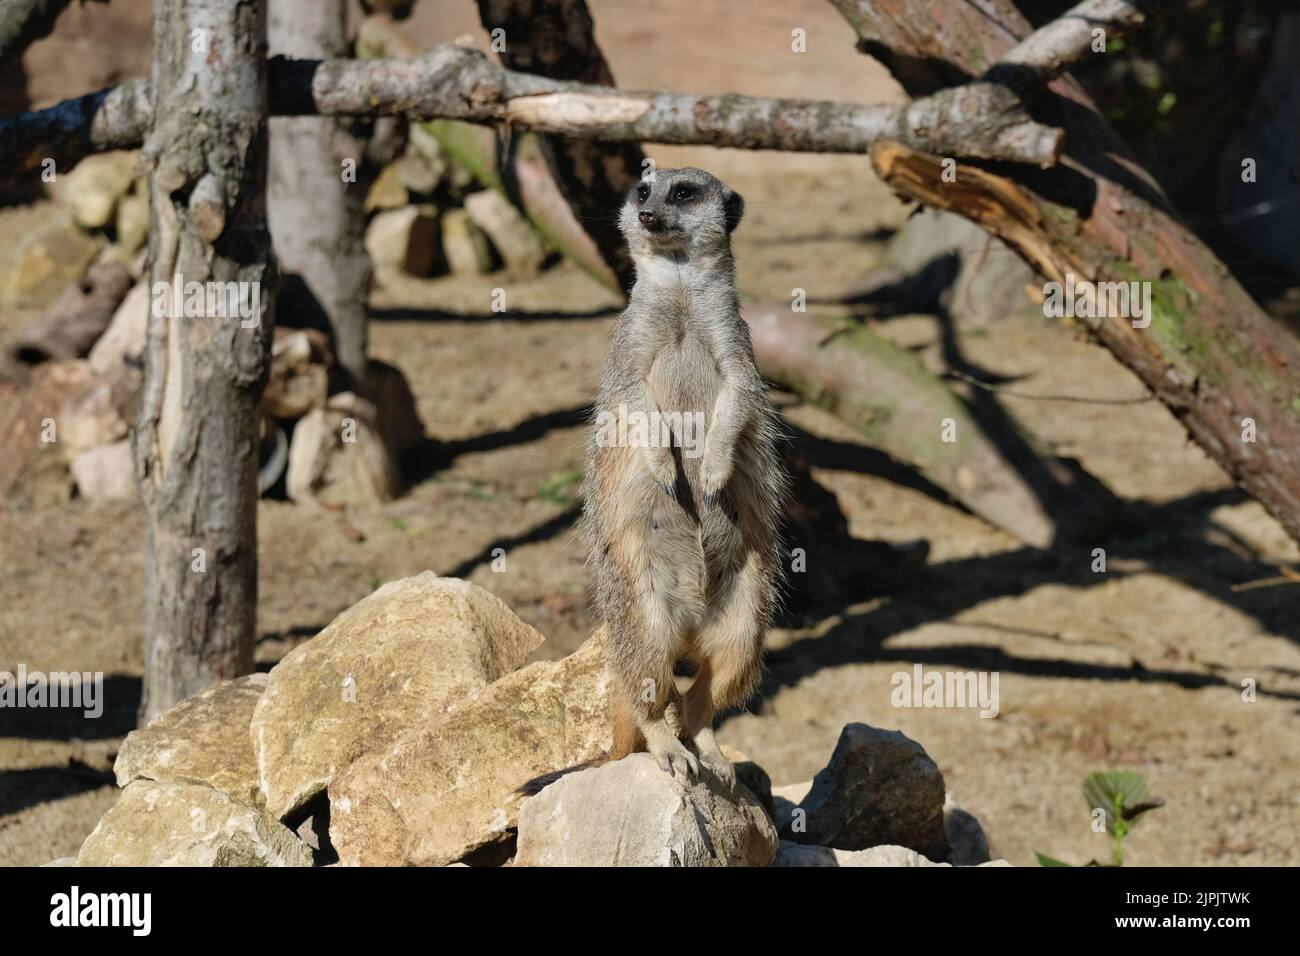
(673, 757)
(706, 745)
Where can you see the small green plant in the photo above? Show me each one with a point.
(557, 488)
(1120, 798)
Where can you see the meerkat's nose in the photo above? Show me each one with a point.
(647, 217)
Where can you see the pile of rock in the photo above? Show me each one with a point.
(408, 733)
(430, 218)
(82, 357)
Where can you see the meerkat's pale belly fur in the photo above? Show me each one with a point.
(677, 575)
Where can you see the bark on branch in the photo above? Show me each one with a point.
(1227, 371)
(984, 121)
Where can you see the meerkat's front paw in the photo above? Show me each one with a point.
(674, 758)
(715, 472)
(659, 462)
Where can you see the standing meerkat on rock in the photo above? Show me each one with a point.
(684, 484)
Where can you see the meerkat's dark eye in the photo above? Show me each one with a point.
(642, 192)
(683, 193)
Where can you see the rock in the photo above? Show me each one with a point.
(404, 240)
(880, 787)
(395, 413)
(62, 861)
(70, 327)
(631, 813)
(123, 341)
(798, 854)
(791, 854)
(397, 660)
(106, 473)
(416, 175)
(202, 740)
(339, 456)
(965, 835)
(464, 244)
(132, 222)
(753, 776)
(92, 189)
(181, 824)
(387, 191)
(785, 799)
(424, 144)
(299, 379)
(454, 788)
(884, 855)
(44, 258)
(520, 248)
(32, 469)
(100, 413)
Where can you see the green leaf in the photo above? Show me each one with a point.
(1045, 860)
(1114, 792)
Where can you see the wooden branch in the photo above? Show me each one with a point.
(1227, 371)
(1050, 50)
(115, 118)
(983, 121)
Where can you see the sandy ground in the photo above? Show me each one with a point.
(1137, 668)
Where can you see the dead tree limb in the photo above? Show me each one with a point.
(1050, 50)
(1227, 371)
(984, 121)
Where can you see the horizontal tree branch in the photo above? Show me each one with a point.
(1051, 49)
(979, 120)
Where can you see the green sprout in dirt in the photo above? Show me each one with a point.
(1120, 797)
(557, 488)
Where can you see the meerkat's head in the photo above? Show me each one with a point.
(679, 211)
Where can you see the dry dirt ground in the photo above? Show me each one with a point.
(1138, 668)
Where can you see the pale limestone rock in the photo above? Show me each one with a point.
(454, 787)
(512, 235)
(464, 244)
(106, 473)
(631, 813)
(202, 740)
(123, 341)
(396, 661)
(181, 824)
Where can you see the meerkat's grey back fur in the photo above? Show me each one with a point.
(682, 534)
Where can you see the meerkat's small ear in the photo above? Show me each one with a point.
(733, 207)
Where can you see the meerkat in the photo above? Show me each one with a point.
(682, 527)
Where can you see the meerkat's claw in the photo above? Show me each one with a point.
(675, 760)
(706, 745)
(722, 768)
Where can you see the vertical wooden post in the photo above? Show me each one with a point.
(208, 347)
